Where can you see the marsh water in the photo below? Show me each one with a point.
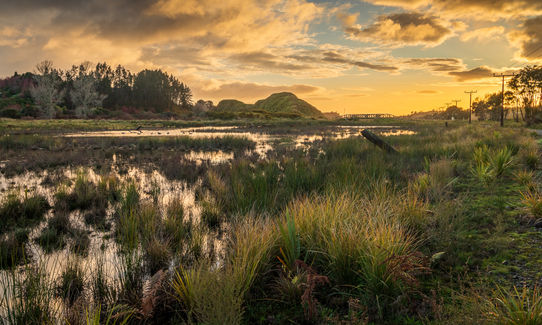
(152, 185)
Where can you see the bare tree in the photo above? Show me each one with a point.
(46, 92)
(45, 67)
(84, 95)
(201, 107)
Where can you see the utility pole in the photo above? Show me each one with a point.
(456, 101)
(470, 102)
(502, 75)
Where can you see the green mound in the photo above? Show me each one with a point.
(280, 104)
(232, 105)
(288, 103)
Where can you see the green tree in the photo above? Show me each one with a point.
(527, 85)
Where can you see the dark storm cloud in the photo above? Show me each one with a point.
(482, 9)
(529, 38)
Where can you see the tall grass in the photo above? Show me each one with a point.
(514, 307)
(209, 296)
(27, 296)
(359, 241)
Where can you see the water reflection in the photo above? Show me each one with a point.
(103, 250)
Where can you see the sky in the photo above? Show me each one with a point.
(372, 56)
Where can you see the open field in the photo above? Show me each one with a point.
(286, 221)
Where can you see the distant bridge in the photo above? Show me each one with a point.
(365, 116)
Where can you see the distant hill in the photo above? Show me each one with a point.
(280, 104)
(232, 105)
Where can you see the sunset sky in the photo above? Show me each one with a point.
(389, 56)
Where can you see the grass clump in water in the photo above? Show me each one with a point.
(15, 212)
(13, 250)
(71, 283)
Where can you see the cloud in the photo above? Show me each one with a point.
(428, 92)
(325, 61)
(483, 34)
(335, 57)
(480, 9)
(248, 91)
(267, 61)
(435, 64)
(451, 67)
(410, 28)
(528, 39)
(174, 55)
(472, 74)
(222, 23)
(12, 37)
(159, 32)
(409, 4)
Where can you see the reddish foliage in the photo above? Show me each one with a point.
(406, 268)
(308, 300)
(18, 83)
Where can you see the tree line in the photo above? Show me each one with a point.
(85, 90)
(522, 101)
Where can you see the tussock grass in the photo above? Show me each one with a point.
(209, 296)
(71, 283)
(514, 307)
(13, 250)
(17, 212)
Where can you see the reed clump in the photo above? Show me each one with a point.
(25, 212)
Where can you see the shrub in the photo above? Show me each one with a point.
(501, 161)
(533, 201)
(524, 177)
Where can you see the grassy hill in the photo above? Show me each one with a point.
(232, 105)
(277, 105)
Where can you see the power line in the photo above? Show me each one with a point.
(470, 102)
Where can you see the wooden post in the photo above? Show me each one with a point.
(377, 141)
